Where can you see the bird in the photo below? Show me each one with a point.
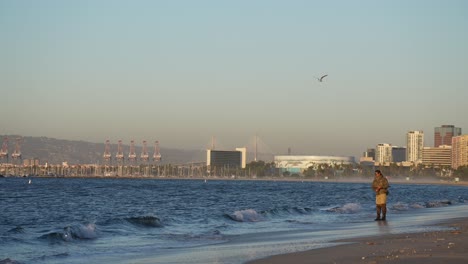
(321, 78)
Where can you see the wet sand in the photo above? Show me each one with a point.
(448, 246)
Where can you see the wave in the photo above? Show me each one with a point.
(287, 210)
(141, 221)
(300, 222)
(349, 208)
(145, 221)
(54, 256)
(70, 233)
(17, 230)
(8, 261)
(417, 206)
(301, 210)
(248, 215)
(400, 206)
(213, 235)
(432, 204)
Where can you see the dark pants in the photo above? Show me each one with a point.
(381, 210)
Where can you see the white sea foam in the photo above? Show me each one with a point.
(87, 231)
(349, 208)
(399, 206)
(417, 206)
(248, 215)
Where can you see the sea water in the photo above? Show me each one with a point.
(71, 220)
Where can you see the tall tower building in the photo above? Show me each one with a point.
(443, 135)
(414, 146)
(383, 153)
(459, 151)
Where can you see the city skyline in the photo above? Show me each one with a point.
(111, 149)
(181, 72)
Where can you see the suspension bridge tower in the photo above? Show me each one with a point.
(4, 150)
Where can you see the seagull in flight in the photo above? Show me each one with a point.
(321, 78)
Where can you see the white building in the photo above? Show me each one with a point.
(459, 151)
(244, 156)
(414, 146)
(297, 164)
(383, 153)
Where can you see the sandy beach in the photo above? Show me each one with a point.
(448, 246)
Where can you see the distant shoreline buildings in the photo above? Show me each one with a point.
(450, 150)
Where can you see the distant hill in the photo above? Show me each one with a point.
(56, 151)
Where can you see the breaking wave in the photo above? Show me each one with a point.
(145, 221)
(349, 208)
(401, 206)
(71, 233)
(438, 203)
(249, 215)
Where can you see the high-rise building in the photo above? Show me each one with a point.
(398, 154)
(414, 146)
(443, 135)
(459, 151)
(440, 156)
(370, 153)
(383, 153)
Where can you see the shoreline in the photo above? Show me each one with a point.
(274, 179)
(446, 246)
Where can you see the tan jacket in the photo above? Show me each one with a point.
(381, 182)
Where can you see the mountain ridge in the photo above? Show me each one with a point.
(56, 151)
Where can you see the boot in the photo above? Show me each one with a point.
(378, 213)
(384, 212)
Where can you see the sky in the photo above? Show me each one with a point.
(185, 72)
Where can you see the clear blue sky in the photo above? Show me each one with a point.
(183, 71)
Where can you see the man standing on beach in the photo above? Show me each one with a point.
(380, 186)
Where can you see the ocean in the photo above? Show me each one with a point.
(95, 220)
